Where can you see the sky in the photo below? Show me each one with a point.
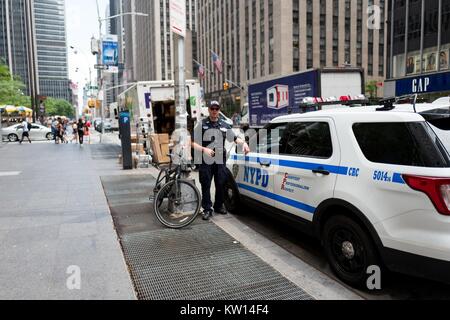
(82, 24)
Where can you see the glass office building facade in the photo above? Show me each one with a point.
(51, 38)
(13, 39)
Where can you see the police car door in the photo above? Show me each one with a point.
(255, 173)
(308, 166)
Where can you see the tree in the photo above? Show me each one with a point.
(58, 107)
(11, 93)
(11, 88)
(372, 88)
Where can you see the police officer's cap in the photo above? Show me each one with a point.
(214, 104)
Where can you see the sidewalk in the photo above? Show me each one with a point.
(54, 215)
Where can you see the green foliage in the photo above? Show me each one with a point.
(372, 89)
(58, 107)
(11, 93)
(11, 89)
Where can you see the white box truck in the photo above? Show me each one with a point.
(153, 103)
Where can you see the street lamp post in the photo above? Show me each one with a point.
(100, 79)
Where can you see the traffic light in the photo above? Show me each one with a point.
(226, 86)
(94, 103)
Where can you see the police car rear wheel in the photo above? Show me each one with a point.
(349, 250)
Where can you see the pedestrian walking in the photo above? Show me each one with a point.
(214, 158)
(26, 127)
(54, 128)
(80, 131)
(59, 132)
(74, 132)
(87, 130)
(65, 128)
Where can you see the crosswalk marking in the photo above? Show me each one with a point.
(10, 173)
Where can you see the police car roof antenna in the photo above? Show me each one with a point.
(388, 104)
(409, 97)
(414, 103)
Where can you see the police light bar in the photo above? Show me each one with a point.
(342, 99)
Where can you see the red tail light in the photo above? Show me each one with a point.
(437, 189)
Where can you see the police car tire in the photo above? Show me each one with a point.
(341, 226)
(231, 203)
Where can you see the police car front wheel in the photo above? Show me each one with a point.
(231, 196)
(350, 251)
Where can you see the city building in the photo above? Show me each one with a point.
(73, 90)
(418, 48)
(50, 32)
(149, 44)
(15, 40)
(262, 39)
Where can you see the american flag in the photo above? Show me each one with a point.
(201, 71)
(217, 62)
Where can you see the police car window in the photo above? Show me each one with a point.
(308, 139)
(270, 142)
(405, 143)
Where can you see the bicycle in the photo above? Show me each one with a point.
(177, 201)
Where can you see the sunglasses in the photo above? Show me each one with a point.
(214, 109)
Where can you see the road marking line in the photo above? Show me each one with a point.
(10, 174)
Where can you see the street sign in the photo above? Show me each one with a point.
(110, 53)
(100, 67)
(178, 17)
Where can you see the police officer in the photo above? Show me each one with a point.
(214, 132)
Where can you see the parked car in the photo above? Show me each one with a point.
(371, 184)
(37, 132)
(108, 125)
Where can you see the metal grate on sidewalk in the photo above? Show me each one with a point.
(201, 263)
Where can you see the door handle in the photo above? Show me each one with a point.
(321, 171)
(265, 163)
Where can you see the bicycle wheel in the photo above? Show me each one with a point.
(177, 204)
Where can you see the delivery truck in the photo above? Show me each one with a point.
(153, 103)
(285, 95)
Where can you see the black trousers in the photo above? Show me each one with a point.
(207, 173)
(81, 136)
(25, 135)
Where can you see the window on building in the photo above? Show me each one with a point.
(296, 35)
(309, 34)
(335, 32)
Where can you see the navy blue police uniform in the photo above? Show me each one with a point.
(211, 169)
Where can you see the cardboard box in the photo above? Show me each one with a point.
(163, 138)
(157, 147)
(137, 147)
(165, 151)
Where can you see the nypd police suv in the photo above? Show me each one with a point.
(372, 185)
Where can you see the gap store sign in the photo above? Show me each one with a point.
(437, 82)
